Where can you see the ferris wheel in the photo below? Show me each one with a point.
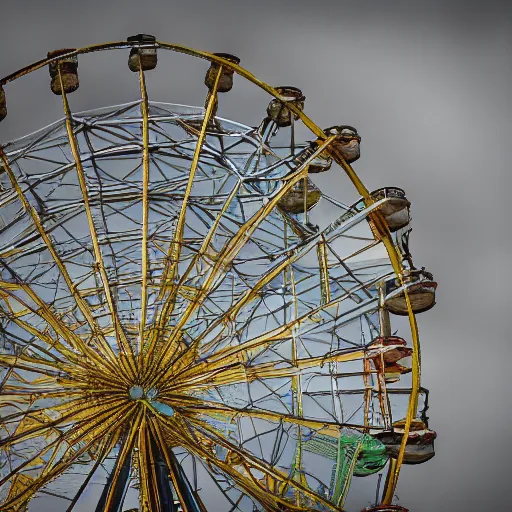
(188, 322)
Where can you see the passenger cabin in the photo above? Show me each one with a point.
(142, 57)
(226, 77)
(347, 143)
(396, 208)
(420, 288)
(385, 352)
(321, 163)
(297, 200)
(278, 110)
(420, 441)
(68, 71)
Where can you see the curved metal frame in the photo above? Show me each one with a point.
(323, 142)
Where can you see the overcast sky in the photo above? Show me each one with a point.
(428, 84)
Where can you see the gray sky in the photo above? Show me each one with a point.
(429, 87)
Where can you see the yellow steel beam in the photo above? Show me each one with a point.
(251, 462)
(229, 252)
(296, 379)
(94, 419)
(125, 450)
(172, 260)
(148, 494)
(163, 317)
(384, 234)
(62, 330)
(44, 337)
(323, 265)
(104, 425)
(35, 363)
(384, 330)
(145, 204)
(81, 303)
(124, 345)
(167, 308)
(78, 412)
(157, 432)
(175, 248)
(190, 406)
(223, 372)
(412, 409)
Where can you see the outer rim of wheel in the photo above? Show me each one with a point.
(383, 231)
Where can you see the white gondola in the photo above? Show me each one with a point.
(421, 290)
(395, 209)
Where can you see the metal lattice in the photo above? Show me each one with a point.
(178, 331)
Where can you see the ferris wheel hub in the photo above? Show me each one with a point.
(139, 393)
